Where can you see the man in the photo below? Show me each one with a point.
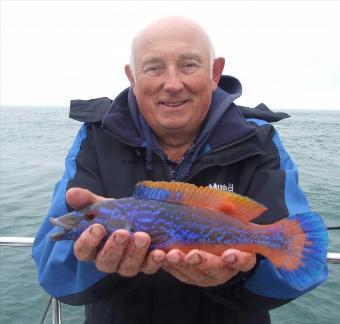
(177, 121)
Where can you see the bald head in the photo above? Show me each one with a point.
(173, 75)
(169, 28)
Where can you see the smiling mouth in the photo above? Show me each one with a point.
(173, 104)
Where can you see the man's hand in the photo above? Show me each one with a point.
(122, 253)
(207, 270)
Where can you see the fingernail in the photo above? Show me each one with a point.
(140, 242)
(195, 258)
(96, 231)
(158, 258)
(120, 239)
(174, 257)
(231, 258)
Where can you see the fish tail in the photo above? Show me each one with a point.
(301, 248)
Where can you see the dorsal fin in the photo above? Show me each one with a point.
(204, 197)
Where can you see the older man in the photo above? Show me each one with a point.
(177, 121)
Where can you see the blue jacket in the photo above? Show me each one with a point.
(237, 148)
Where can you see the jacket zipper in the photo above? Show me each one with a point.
(164, 165)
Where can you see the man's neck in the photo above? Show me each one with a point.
(175, 149)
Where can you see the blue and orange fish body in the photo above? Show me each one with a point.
(182, 216)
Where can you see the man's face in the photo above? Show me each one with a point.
(173, 81)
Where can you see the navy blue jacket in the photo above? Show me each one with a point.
(237, 149)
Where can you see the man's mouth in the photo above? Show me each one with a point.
(174, 103)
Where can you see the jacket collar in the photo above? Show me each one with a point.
(224, 123)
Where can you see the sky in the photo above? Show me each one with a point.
(285, 53)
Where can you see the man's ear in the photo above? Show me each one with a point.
(130, 75)
(218, 67)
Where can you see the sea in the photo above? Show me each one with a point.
(34, 143)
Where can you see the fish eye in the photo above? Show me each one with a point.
(90, 215)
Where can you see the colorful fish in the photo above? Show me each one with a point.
(183, 216)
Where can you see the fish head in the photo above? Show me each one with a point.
(71, 225)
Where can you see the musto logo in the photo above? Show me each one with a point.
(229, 187)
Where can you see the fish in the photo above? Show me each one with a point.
(183, 216)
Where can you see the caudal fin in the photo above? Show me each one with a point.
(303, 256)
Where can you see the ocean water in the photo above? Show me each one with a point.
(34, 142)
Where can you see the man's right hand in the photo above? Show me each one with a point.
(122, 253)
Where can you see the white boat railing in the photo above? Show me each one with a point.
(16, 241)
(55, 305)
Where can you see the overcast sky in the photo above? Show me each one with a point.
(286, 54)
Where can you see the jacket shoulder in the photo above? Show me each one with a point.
(262, 112)
(90, 111)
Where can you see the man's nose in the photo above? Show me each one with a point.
(173, 81)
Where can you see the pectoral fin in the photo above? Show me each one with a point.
(159, 239)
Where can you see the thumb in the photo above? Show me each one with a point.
(79, 198)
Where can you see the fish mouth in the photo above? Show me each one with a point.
(62, 229)
(57, 222)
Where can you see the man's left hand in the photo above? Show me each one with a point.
(207, 270)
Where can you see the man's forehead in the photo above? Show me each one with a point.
(172, 48)
(162, 40)
(171, 39)
(155, 57)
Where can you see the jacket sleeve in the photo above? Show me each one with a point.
(59, 272)
(274, 184)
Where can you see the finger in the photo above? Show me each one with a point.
(210, 266)
(79, 198)
(238, 260)
(182, 270)
(153, 261)
(85, 247)
(109, 257)
(134, 255)
(176, 258)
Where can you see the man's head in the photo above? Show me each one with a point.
(173, 74)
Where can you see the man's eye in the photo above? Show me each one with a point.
(153, 70)
(189, 67)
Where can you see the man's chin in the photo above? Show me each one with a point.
(175, 126)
